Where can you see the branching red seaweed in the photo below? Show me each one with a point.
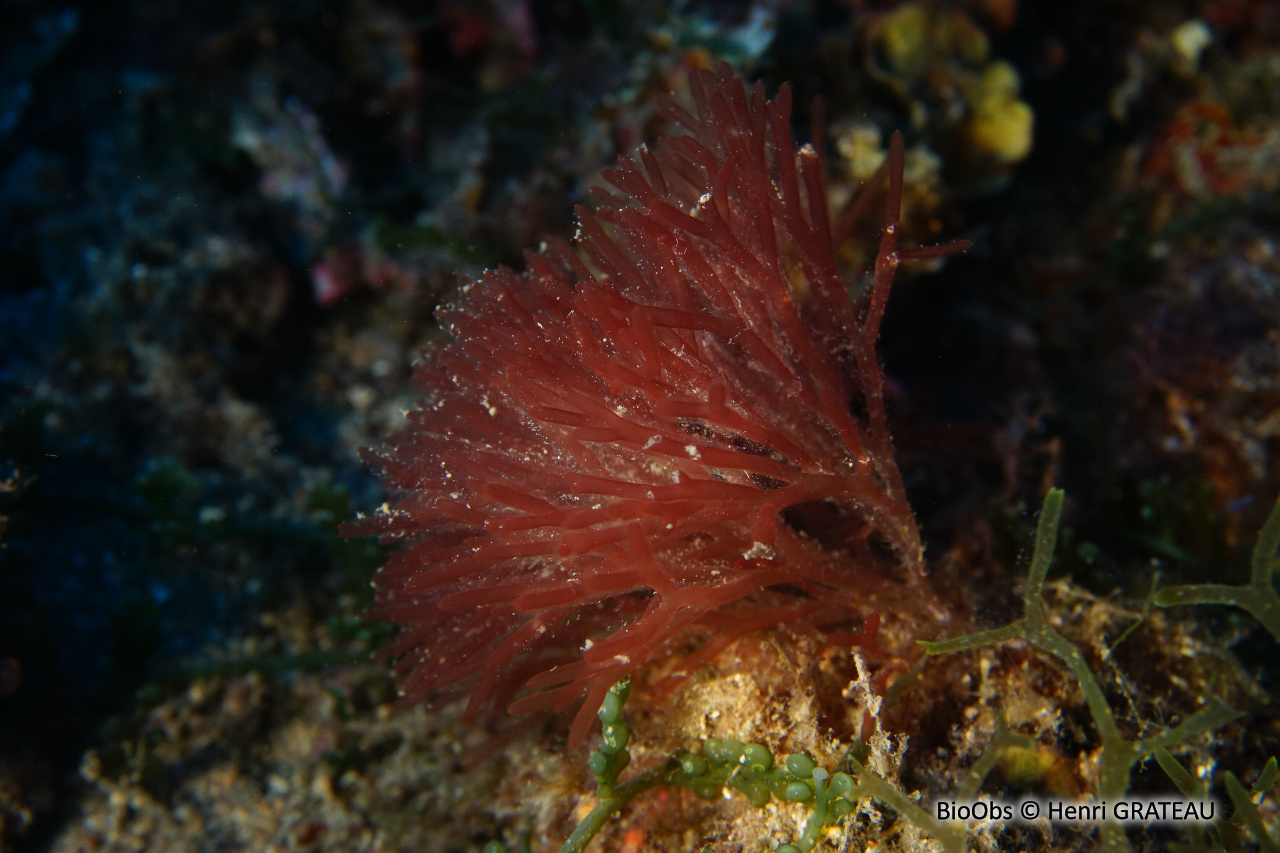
(681, 423)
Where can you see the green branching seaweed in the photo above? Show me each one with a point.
(718, 765)
(1258, 597)
(873, 786)
(1001, 742)
(1247, 802)
(1202, 839)
(606, 763)
(1118, 755)
(1247, 814)
(750, 769)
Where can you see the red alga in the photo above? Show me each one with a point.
(680, 423)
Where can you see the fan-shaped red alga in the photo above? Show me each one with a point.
(679, 424)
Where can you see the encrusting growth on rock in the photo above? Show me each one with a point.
(680, 424)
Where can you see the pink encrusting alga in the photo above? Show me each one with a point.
(678, 424)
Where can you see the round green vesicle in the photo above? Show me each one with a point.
(712, 750)
(757, 757)
(693, 765)
(797, 792)
(756, 792)
(615, 736)
(610, 708)
(842, 785)
(707, 790)
(718, 751)
(800, 765)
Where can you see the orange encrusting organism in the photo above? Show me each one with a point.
(679, 424)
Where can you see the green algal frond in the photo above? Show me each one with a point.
(880, 789)
(606, 764)
(1001, 742)
(1118, 755)
(1247, 802)
(752, 770)
(1258, 597)
(1247, 814)
(1202, 839)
